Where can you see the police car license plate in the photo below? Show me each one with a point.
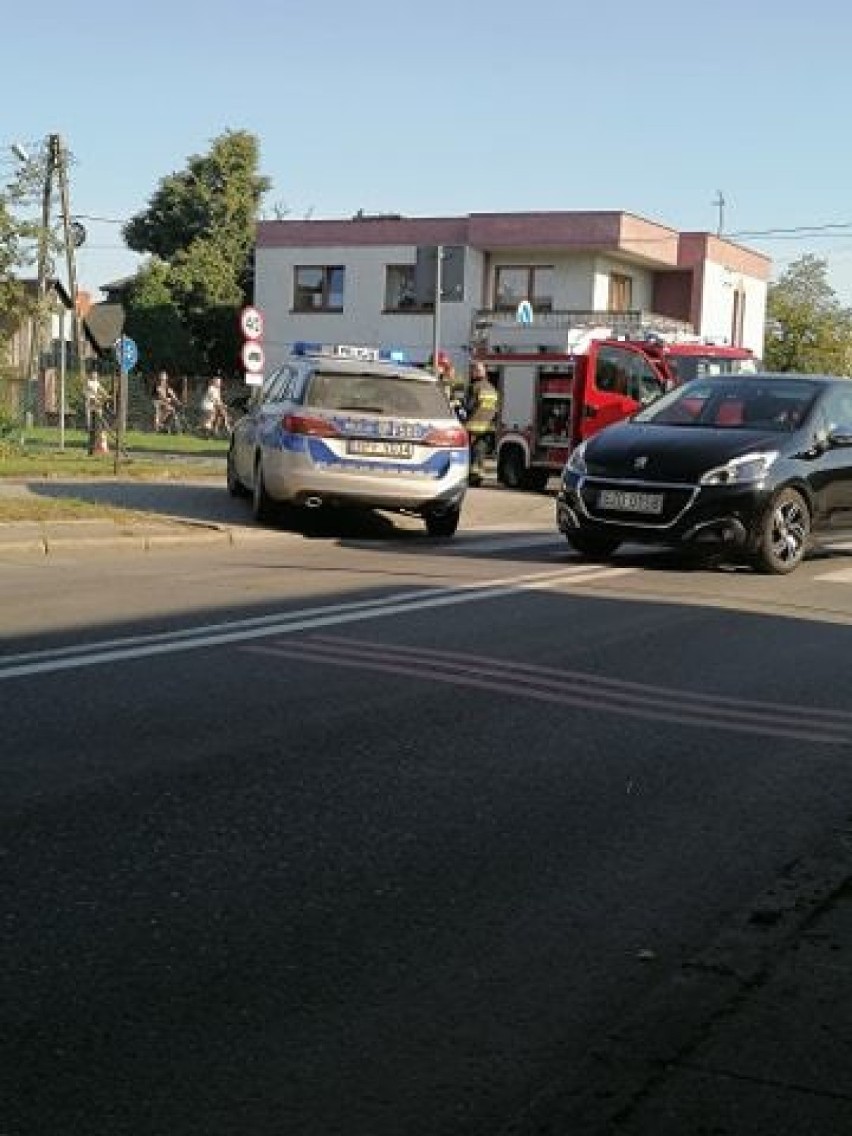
(367, 447)
(626, 501)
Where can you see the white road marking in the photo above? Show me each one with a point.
(838, 576)
(287, 623)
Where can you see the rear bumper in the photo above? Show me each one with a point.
(295, 479)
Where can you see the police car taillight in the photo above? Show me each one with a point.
(447, 437)
(308, 424)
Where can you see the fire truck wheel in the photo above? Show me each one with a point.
(512, 468)
(596, 546)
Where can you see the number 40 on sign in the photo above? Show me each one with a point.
(251, 323)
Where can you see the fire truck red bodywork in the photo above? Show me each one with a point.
(552, 399)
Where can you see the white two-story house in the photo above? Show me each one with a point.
(372, 279)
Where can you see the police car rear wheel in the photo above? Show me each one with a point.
(263, 507)
(443, 524)
(235, 486)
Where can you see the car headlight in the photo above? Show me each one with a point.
(577, 461)
(741, 471)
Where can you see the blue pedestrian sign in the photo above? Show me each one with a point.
(126, 352)
(524, 313)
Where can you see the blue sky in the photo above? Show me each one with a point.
(453, 107)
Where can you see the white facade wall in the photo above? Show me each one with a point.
(643, 283)
(581, 282)
(363, 319)
(719, 285)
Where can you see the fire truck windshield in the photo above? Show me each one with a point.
(685, 368)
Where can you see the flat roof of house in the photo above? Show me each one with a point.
(588, 231)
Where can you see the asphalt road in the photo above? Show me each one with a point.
(351, 831)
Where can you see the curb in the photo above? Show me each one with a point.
(45, 543)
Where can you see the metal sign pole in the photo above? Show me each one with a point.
(127, 356)
(63, 352)
(121, 410)
(436, 310)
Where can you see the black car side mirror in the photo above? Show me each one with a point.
(840, 436)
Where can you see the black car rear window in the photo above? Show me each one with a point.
(377, 394)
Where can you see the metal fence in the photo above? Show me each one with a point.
(27, 404)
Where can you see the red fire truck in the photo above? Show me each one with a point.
(566, 376)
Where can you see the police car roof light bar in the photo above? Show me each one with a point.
(347, 351)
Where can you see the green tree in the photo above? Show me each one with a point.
(807, 328)
(154, 320)
(200, 223)
(13, 301)
(18, 239)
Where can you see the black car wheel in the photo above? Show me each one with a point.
(595, 545)
(263, 507)
(783, 536)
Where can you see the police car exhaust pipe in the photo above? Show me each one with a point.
(313, 502)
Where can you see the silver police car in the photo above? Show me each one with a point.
(343, 425)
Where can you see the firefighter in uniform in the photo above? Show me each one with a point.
(482, 402)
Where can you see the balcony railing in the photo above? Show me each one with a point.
(634, 322)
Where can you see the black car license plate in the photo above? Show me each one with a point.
(368, 448)
(629, 501)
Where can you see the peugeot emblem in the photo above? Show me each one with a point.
(640, 463)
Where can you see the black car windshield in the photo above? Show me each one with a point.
(377, 394)
(768, 404)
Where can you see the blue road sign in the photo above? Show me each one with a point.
(126, 352)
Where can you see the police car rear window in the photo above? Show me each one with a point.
(377, 394)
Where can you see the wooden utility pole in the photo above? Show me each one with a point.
(41, 280)
(55, 169)
(70, 246)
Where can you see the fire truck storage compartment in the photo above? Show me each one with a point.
(555, 385)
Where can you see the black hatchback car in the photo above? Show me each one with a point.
(750, 465)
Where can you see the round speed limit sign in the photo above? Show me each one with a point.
(253, 358)
(251, 323)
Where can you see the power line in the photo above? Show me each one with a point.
(779, 232)
(106, 220)
(796, 230)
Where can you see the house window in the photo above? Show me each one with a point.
(620, 293)
(515, 283)
(318, 288)
(400, 290)
(738, 317)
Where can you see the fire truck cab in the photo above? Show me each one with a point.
(562, 381)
